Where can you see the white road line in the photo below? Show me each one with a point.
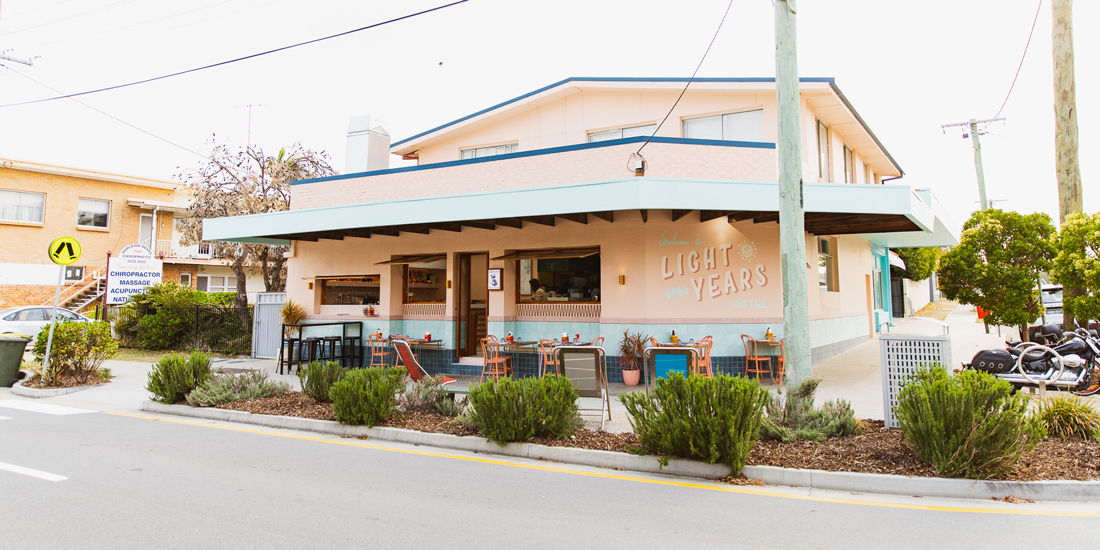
(34, 406)
(33, 473)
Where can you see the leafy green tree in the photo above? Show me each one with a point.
(996, 265)
(920, 263)
(1077, 265)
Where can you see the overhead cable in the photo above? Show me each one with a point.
(1022, 57)
(235, 60)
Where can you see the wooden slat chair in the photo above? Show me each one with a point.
(379, 356)
(495, 365)
(754, 362)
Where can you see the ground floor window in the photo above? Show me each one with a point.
(351, 290)
(425, 283)
(216, 283)
(557, 275)
(185, 280)
(827, 277)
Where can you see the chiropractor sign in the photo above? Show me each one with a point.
(131, 272)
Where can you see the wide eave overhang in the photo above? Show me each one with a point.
(884, 214)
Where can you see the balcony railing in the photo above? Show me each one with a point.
(574, 310)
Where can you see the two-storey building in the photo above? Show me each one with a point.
(578, 193)
(104, 212)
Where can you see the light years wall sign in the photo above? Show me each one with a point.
(713, 272)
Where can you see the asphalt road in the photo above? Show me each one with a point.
(135, 482)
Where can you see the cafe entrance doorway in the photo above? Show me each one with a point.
(472, 303)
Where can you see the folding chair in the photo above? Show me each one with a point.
(416, 372)
(586, 367)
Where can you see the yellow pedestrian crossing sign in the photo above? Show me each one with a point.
(64, 251)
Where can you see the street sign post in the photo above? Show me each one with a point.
(63, 251)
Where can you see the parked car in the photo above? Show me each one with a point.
(29, 320)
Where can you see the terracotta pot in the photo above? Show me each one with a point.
(631, 377)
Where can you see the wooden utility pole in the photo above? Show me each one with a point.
(792, 224)
(1065, 123)
(1065, 112)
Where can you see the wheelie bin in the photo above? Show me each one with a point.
(11, 356)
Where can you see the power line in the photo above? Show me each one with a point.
(252, 56)
(682, 92)
(1022, 57)
(106, 114)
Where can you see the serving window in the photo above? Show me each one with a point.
(350, 290)
(565, 275)
(425, 283)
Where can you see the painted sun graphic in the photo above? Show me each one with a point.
(747, 249)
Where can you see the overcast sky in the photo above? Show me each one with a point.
(906, 67)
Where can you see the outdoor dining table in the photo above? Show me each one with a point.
(414, 343)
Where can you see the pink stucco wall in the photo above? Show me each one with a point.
(664, 160)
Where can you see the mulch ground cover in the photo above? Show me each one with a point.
(36, 383)
(877, 451)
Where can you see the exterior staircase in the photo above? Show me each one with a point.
(78, 295)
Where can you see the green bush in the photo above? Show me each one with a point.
(509, 410)
(710, 419)
(225, 387)
(1067, 416)
(968, 425)
(793, 417)
(429, 394)
(318, 377)
(78, 351)
(167, 315)
(367, 396)
(174, 377)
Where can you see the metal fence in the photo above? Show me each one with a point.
(219, 329)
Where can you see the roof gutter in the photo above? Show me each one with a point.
(866, 128)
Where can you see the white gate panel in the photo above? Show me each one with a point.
(904, 354)
(267, 328)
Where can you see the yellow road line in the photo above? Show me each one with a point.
(710, 487)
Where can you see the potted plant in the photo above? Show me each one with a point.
(292, 315)
(631, 349)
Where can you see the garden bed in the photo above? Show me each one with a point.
(877, 451)
(35, 383)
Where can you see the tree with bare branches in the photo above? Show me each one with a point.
(244, 182)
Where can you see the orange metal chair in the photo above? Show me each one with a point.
(495, 364)
(754, 362)
(400, 338)
(702, 364)
(378, 354)
(598, 342)
(781, 371)
(547, 359)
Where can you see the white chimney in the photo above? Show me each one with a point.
(368, 147)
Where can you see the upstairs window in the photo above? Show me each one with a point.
(849, 166)
(20, 206)
(93, 213)
(622, 133)
(743, 126)
(824, 164)
(489, 151)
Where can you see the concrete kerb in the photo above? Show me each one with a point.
(1081, 491)
(23, 391)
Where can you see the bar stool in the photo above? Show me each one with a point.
(351, 349)
(309, 351)
(329, 348)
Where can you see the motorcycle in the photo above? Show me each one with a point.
(1071, 363)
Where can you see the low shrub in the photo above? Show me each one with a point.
(709, 419)
(509, 410)
(429, 394)
(1067, 416)
(968, 425)
(225, 387)
(176, 376)
(318, 377)
(367, 396)
(77, 353)
(792, 416)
